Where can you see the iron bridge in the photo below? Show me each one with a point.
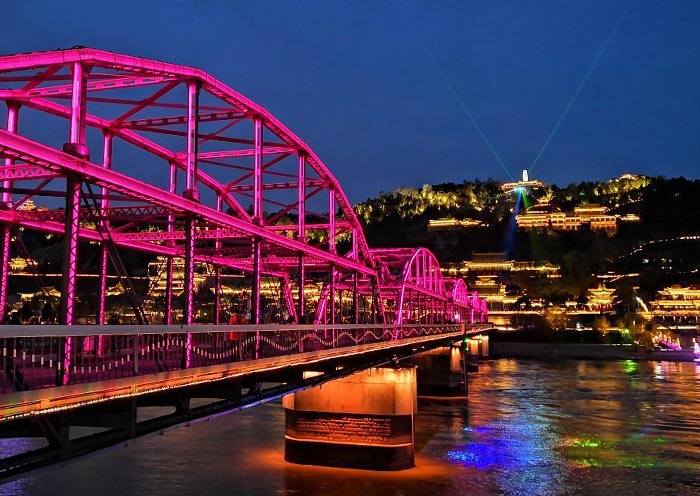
(112, 158)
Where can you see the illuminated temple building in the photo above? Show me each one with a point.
(678, 303)
(495, 264)
(448, 224)
(600, 298)
(544, 215)
(488, 271)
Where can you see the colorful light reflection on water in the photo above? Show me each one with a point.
(564, 428)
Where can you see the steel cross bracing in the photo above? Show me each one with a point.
(179, 165)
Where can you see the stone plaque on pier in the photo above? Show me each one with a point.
(361, 421)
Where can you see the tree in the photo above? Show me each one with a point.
(555, 317)
(634, 326)
(624, 297)
(601, 324)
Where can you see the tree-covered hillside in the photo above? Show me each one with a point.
(668, 208)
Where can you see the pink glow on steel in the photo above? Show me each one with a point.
(65, 371)
(258, 173)
(301, 282)
(104, 258)
(188, 311)
(217, 271)
(331, 296)
(258, 165)
(418, 274)
(255, 290)
(5, 231)
(301, 200)
(192, 135)
(331, 221)
(289, 300)
(78, 104)
(70, 269)
(70, 251)
(6, 241)
(169, 291)
(12, 123)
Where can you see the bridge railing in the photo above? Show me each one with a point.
(43, 356)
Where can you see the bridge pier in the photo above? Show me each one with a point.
(442, 371)
(363, 421)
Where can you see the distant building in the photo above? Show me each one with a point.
(27, 205)
(157, 275)
(678, 304)
(523, 185)
(496, 264)
(453, 224)
(489, 272)
(600, 299)
(20, 264)
(543, 215)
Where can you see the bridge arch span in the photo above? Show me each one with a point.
(135, 154)
(458, 300)
(412, 284)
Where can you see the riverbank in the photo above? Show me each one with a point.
(588, 351)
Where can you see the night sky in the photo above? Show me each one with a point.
(393, 93)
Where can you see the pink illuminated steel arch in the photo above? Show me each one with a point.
(478, 309)
(458, 300)
(212, 168)
(164, 159)
(412, 278)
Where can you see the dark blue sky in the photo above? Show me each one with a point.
(374, 87)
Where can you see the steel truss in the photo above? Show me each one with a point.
(165, 159)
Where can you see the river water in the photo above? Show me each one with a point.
(529, 427)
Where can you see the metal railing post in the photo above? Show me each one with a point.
(136, 354)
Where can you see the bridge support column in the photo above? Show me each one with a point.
(255, 312)
(217, 268)
(301, 280)
(169, 263)
(102, 286)
(442, 371)
(189, 310)
(255, 286)
(362, 421)
(479, 346)
(217, 295)
(169, 291)
(6, 234)
(6, 239)
(331, 296)
(374, 309)
(70, 276)
(104, 248)
(102, 340)
(355, 300)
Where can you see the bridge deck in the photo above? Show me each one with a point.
(326, 345)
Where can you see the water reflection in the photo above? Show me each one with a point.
(529, 427)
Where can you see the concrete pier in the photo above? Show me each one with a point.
(362, 421)
(439, 371)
